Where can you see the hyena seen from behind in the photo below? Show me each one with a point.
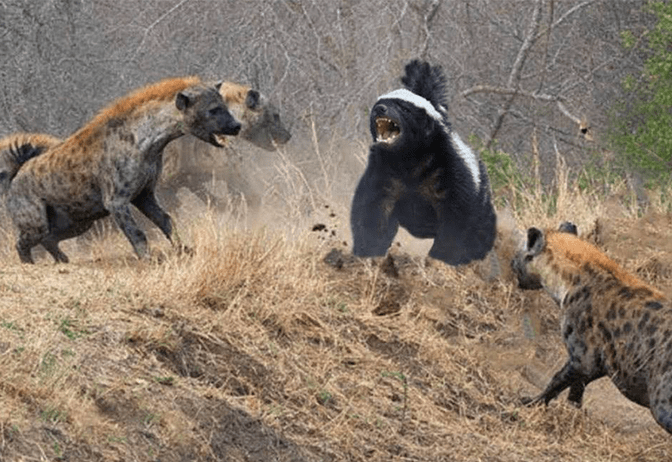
(111, 163)
(614, 324)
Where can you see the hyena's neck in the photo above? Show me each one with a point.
(556, 281)
(154, 131)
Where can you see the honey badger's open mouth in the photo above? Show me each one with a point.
(387, 130)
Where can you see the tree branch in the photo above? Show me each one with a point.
(514, 76)
(567, 14)
(525, 47)
(558, 100)
(152, 25)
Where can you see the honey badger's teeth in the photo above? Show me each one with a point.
(387, 130)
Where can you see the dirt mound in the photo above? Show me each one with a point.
(259, 347)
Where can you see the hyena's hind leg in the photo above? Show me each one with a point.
(24, 245)
(30, 219)
(661, 401)
(61, 227)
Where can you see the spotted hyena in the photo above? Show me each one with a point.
(112, 162)
(17, 149)
(260, 120)
(613, 324)
(261, 126)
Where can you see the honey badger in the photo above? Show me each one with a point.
(421, 176)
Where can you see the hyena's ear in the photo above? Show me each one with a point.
(183, 101)
(568, 227)
(252, 100)
(535, 241)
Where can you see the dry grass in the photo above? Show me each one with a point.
(257, 349)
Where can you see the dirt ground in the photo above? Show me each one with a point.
(268, 345)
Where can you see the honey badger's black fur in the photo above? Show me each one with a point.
(420, 175)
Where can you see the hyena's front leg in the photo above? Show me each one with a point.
(121, 212)
(146, 202)
(51, 246)
(565, 377)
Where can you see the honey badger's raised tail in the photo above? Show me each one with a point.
(112, 162)
(420, 175)
(428, 82)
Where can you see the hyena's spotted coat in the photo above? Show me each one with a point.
(111, 163)
(614, 324)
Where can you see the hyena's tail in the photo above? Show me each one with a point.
(427, 81)
(19, 148)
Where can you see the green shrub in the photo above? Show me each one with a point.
(641, 126)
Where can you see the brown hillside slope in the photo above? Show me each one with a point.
(256, 349)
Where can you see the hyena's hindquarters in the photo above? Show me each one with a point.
(30, 217)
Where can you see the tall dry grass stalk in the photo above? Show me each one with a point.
(566, 200)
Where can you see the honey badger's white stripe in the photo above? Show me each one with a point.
(415, 100)
(465, 153)
(468, 157)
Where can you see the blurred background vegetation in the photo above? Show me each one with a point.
(533, 83)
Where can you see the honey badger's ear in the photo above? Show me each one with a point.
(252, 99)
(535, 241)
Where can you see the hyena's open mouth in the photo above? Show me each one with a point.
(387, 130)
(221, 140)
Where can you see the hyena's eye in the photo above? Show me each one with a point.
(215, 111)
